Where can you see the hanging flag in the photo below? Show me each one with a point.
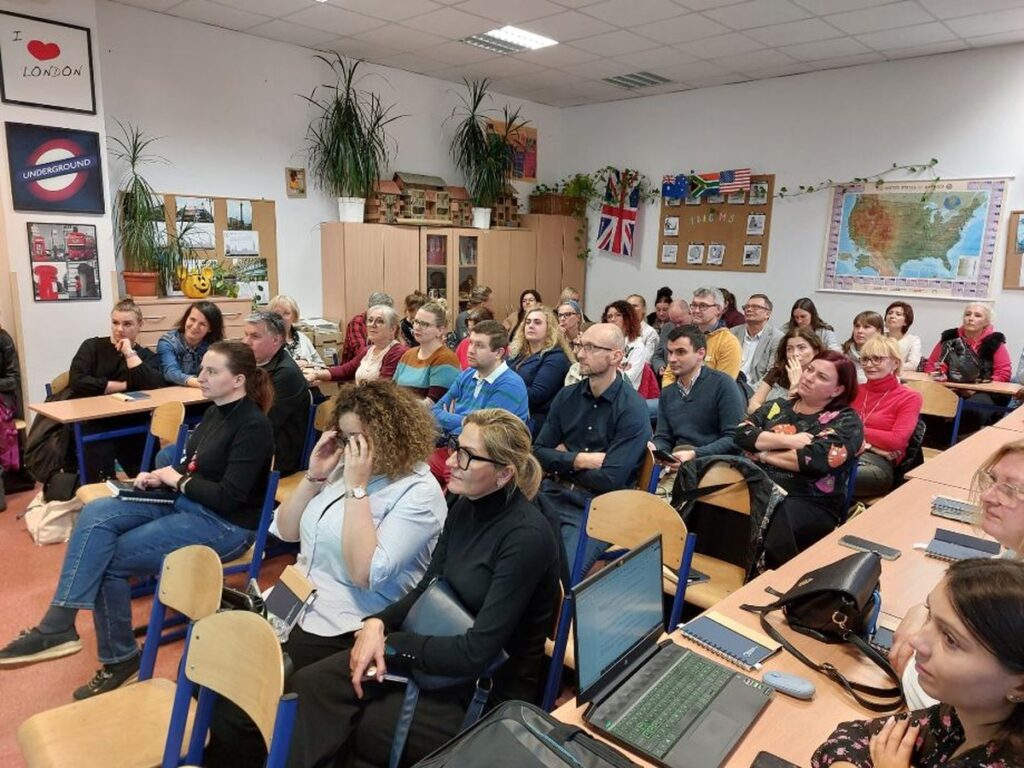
(618, 213)
(675, 186)
(702, 184)
(734, 181)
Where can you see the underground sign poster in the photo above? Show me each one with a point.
(46, 64)
(54, 169)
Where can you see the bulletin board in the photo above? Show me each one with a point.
(1012, 277)
(240, 232)
(718, 233)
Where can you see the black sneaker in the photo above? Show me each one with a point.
(32, 646)
(109, 677)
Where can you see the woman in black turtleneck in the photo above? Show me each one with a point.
(500, 556)
(221, 484)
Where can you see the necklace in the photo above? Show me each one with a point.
(878, 402)
(193, 463)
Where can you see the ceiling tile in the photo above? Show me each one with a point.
(987, 24)
(749, 62)
(872, 57)
(400, 38)
(508, 12)
(656, 57)
(681, 29)
(630, 13)
(292, 33)
(570, 25)
(452, 23)
(950, 46)
(393, 11)
(615, 43)
(703, 5)
(336, 20)
(1000, 38)
(413, 62)
(794, 32)
(359, 49)
(218, 15)
(557, 55)
(693, 71)
(823, 7)
(504, 66)
(656, 90)
(545, 79)
(715, 80)
(597, 89)
(601, 68)
(273, 8)
(757, 13)
(457, 53)
(578, 3)
(825, 49)
(948, 9)
(783, 70)
(901, 14)
(907, 37)
(720, 45)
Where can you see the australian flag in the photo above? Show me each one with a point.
(618, 213)
(675, 186)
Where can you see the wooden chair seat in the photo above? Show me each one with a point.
(726, 578)
(129, 722)
(20, 425)
(243, 559)
(929, 453)
(286, 486)
(92, 492)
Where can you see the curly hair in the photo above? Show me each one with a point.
(400, 431)
(630, 322)
(553, 337)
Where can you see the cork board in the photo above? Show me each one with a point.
(727, 233)
(1012, 277)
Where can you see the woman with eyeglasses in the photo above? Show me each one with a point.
(430, 368)
(541, 356)
(377, 360)
(889, 411)
(500, 556)
(622, 315)
(570, 320)
(997, 491)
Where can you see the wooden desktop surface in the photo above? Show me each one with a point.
(955, 466)
(993, 387)
(103, 406)
(793, 729)
(1014, 420)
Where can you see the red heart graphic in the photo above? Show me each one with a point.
(43, 51)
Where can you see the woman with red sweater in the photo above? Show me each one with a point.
(889, 411)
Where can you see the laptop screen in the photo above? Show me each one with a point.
(615, 610)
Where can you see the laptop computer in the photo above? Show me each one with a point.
(667, 704)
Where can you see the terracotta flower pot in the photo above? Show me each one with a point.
(141, 283)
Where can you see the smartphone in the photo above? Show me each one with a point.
(665, 456)
(863, 545)
(768, 760)
(882, 639)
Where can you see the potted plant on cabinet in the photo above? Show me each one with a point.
(347, 140)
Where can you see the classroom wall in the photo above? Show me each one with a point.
(962, 108)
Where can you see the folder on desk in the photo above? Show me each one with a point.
(952, 546)
(129, 397)
(746, 648)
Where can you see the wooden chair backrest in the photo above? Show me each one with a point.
(322, 420)
(643, 480)
(237, 655)
(191, 581)
(166, 421)
(736, 497)
(937, 399)
(629, 518)
(60, 382)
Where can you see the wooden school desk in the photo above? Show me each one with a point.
(956, 466)
(992, 387)
(1014, 420)
(80, 411)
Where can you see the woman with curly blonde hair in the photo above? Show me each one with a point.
(541, 356)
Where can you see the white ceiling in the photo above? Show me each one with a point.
(694, 43)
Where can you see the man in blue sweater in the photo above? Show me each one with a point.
(487, 383)
(698, 413)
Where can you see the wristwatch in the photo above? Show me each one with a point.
(355, 492)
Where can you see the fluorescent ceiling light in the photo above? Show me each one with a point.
(637, 80)
(509, 40)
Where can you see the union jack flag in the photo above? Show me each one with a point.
(734, 181)
(618, 213)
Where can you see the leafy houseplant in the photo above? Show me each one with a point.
(347, 141)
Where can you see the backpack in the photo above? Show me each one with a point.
(46, 447)
(51, 522)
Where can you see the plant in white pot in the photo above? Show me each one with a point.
(347, 140)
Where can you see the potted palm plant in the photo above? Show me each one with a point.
(347, 141)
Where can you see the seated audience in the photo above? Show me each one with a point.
(289, 413)
(976, 340)
(429, 368)
(182, 348)
(574, 376)
(528, 299)
(413, 302)
(355, 330)
(797, 348)
(296, 343)
(724, 352)
(648, 335)
(889, 411)
(593, 439)
(479, 297)
(697, 416)
(473, 317)
(731, 316)
(971, 660)
(807, 445)
(662, 301)
(115, 363)
(866, 325)
(899, 316)
(366, 515)
(759, 341)
(541, 357)
(499, 555)
(570, 320)
(572, 294)
(221, 482)
(621, 315)
(805, 315)
(678, 314)
(377, 360)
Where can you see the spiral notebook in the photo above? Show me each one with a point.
(746, 648)
(952, 546)
(126, 491)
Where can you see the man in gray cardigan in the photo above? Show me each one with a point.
(758, 339)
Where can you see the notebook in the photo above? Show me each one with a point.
(129, 397)
(125, 491)
(952, 546)
(953, 509)
(746, 648)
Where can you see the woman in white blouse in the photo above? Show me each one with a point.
(377, 360)
(899, 316)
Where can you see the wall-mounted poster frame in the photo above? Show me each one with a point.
(64, 260)
(1012, 277)
(53, 169)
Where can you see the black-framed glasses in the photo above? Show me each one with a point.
(422, 324)
(591, 348)
(750, 307)
(566, 315)
(464, 457)
(701, 306)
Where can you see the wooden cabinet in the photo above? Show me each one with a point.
(557, 264)
(161, 315)
(358, 259)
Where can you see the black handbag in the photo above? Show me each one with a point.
(838, 603)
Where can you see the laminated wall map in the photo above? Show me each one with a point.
(915, 237)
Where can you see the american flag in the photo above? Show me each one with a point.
(734, 181)
(618, 213)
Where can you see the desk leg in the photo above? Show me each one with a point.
(80, 453)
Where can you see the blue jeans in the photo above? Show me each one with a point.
(115, 540)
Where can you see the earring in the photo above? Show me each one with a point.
(1015, 699)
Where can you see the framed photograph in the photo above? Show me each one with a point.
(759, 193)
(751, 255)
(669, 254)
(673, 202)
(695, 253)
(241, 243)
(715, 198)
(46, 64)
(65, 265)
(755, 224)
(194, 217)
(1020, 235)
(694, 199)
(716, 254)
(736, 198)
(54, 169)
(671, 228)
(239, 214)
(295, 182)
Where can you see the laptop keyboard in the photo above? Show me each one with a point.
(659, 714)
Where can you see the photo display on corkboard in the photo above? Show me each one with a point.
(1012, 274)
(723, 233)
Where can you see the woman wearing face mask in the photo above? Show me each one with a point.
(541, 356)
(500, 556)
(797, 348)
(968, 656)
(181, 350)
(865, 326)
(899, 316)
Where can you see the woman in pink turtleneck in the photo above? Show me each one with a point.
(889, 411)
